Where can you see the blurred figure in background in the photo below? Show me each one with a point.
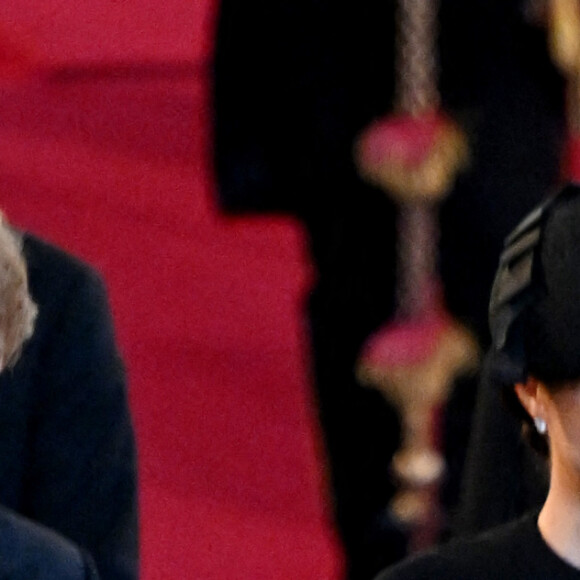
(295, 83)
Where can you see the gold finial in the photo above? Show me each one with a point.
(564, 34)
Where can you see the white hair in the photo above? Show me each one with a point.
(17, 309)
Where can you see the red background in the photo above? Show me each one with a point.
(105, 151)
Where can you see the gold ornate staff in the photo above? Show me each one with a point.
(563, 22)
(414, 156)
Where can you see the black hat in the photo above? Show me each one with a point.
(535, 303)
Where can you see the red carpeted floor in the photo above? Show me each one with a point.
(108, 155)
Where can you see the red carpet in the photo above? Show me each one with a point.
(108, 156)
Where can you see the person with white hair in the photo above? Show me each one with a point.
(68, 498)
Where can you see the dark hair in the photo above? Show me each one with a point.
(500, 372)
(535, 304)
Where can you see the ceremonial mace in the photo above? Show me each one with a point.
(414, 154)
(563, 22)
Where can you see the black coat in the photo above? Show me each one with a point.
(67, 449)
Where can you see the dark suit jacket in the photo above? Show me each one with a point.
(30, 551)
(67, 449)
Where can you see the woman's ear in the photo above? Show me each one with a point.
(529, 396)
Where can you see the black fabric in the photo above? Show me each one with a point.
(514, 289)
(552, 333)
(503, 476)
(67, 449)
(534, 312)
(516, 551)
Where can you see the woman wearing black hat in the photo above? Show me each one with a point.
(535, 325)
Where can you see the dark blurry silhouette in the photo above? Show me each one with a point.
(295, 82)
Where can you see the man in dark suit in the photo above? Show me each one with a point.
(67, 448)
(295, 82)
